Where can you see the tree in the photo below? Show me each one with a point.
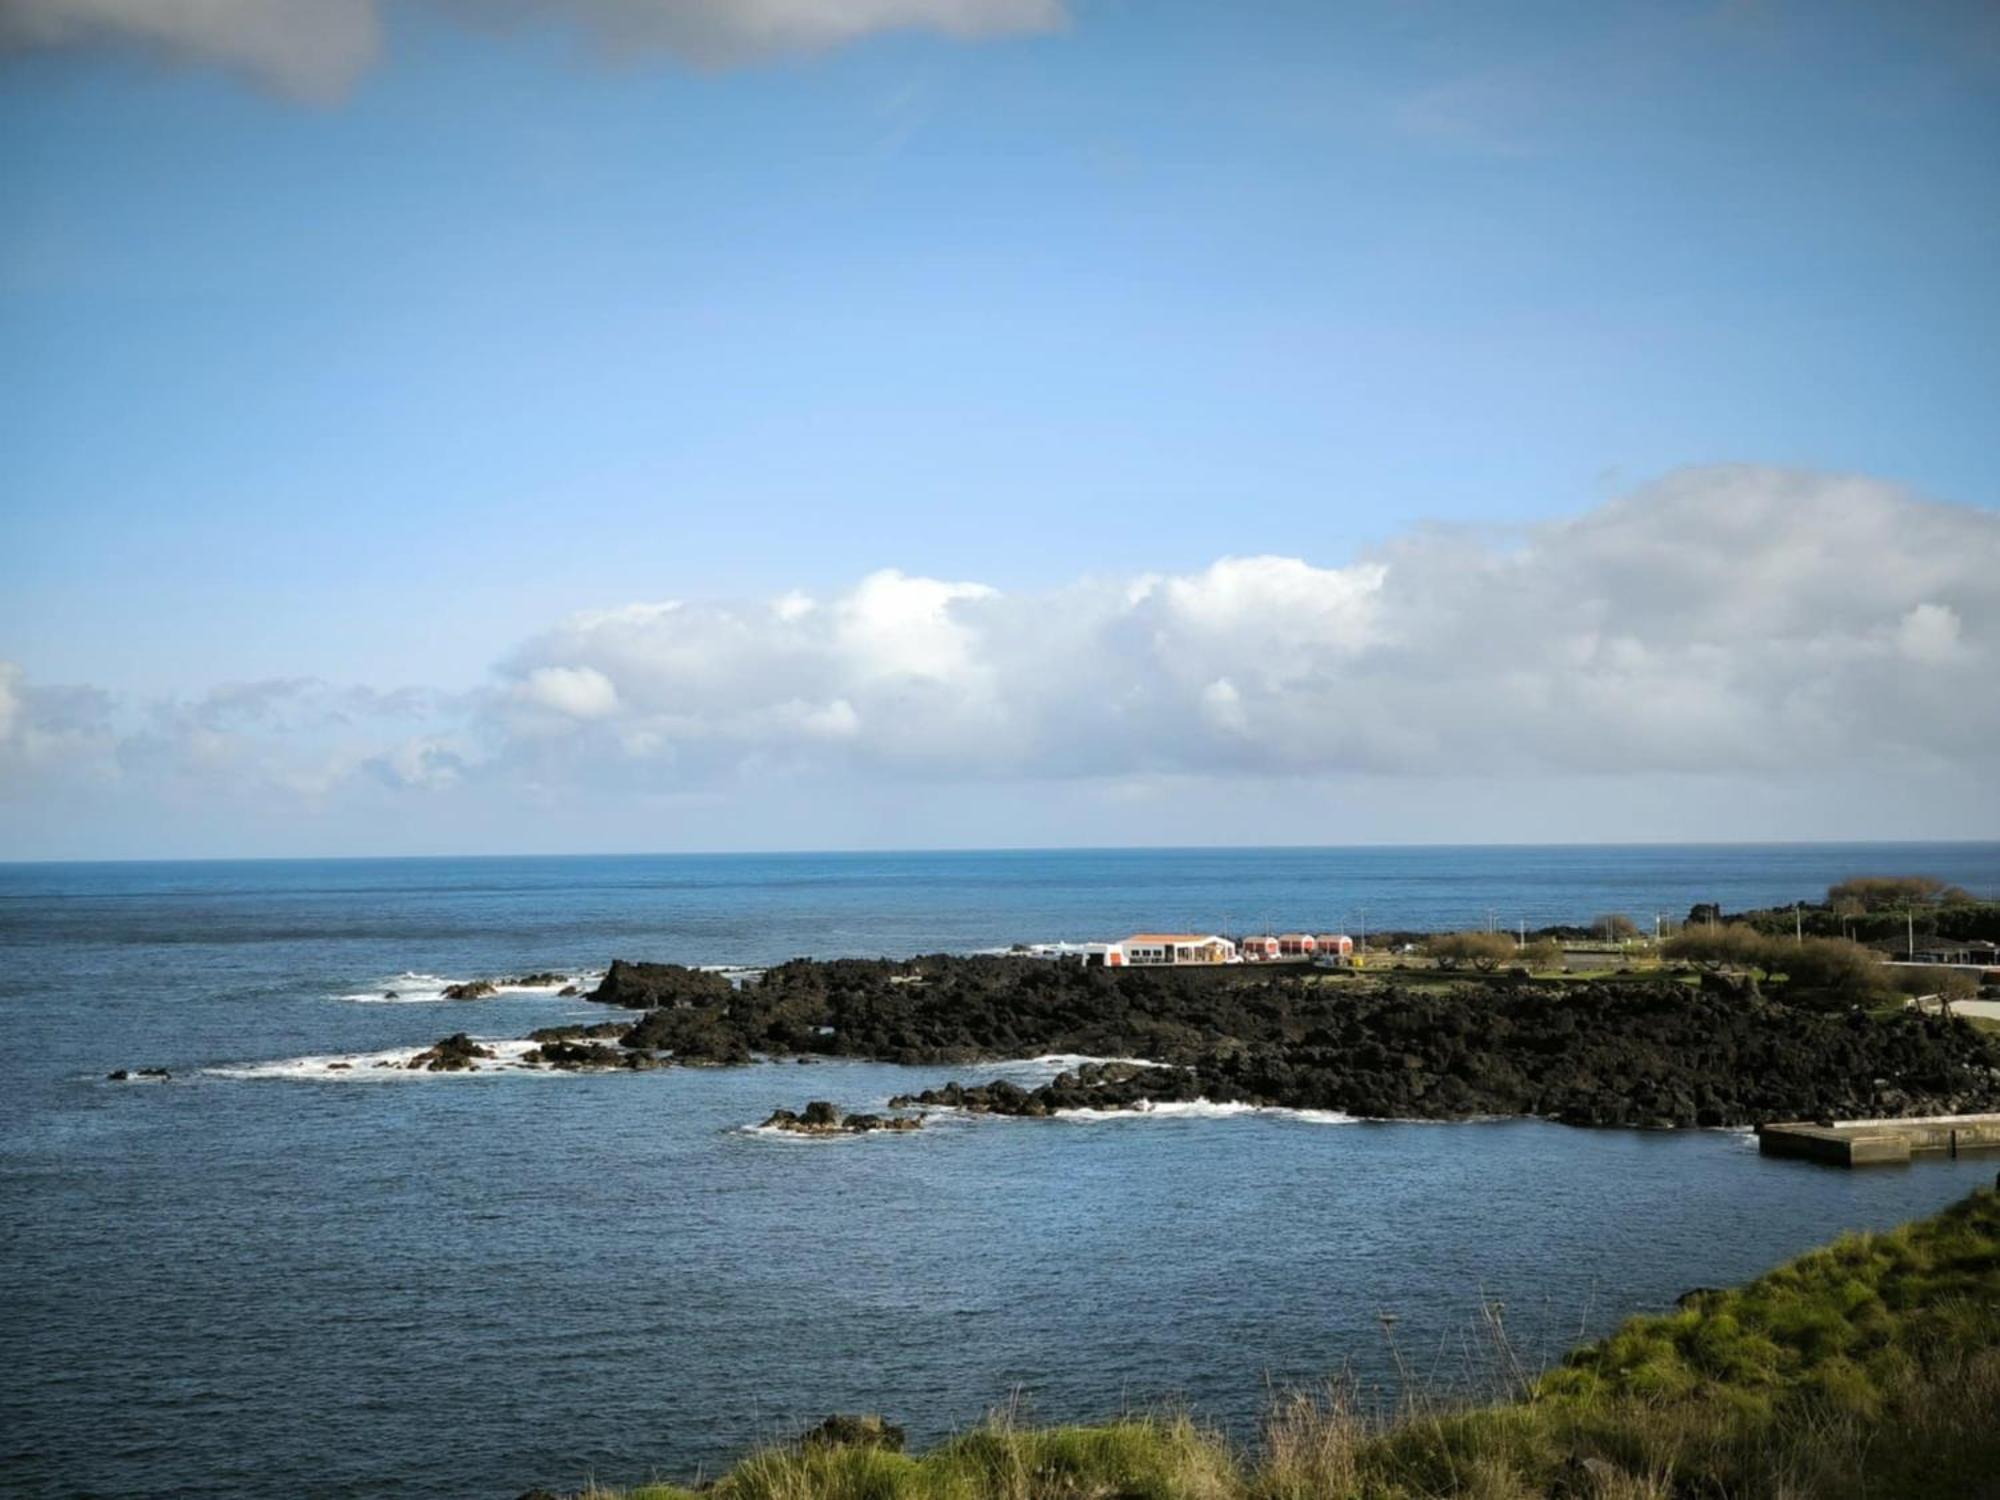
(1615, 926)
(1485, 951)
(1923, 982)
(1955, 985)
(1733, 947)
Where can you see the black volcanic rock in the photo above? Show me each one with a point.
(822, 1117)
(1638, 1052)
(457, 1053)
(650, 986)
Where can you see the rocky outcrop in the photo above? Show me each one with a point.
(1655, 1060)
(824, 1118)
(651, 986)
(575, 1056)
(472, 989)
(572, 1033)
(1114, 1085)
(541, 979)
(457, 1053)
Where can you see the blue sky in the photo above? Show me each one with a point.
(378, 387)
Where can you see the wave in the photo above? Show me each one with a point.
(1203, 1109)
(388, 1066)
(773, 1133)
(412, 988)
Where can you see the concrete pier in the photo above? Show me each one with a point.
(1867, 1143)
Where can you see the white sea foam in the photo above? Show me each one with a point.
(773, 1133)
(380, 1067)
(1042, 1069)
(412, 988)
(1203, 1109)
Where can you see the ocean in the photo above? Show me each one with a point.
(257, 1278)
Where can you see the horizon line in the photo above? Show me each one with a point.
(969, 849)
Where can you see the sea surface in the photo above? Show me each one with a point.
(262, 1277)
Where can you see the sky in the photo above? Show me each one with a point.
(439, 426)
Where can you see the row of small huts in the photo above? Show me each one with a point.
(1172, 948)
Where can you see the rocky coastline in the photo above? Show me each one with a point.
(1658, 1053)
(1639, 1051)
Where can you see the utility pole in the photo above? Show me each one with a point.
(1656, 928)
(1798, 925)
(1364, 929)
(1910, 933)
(1524, 934)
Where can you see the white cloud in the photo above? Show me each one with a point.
(10, 699)
(578, 692)
(1929, 632)
(315, 49)
(1788, 630)
(1724, 620)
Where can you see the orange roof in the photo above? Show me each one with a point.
(1173, 937)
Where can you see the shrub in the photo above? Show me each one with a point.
(1483, 950)
(1830, 973)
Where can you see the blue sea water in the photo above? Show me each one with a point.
(263, 1278)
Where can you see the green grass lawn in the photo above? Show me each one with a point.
(1866, 1370)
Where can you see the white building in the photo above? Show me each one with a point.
(1178, 948)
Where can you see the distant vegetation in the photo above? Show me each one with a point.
(1864, 1370)
(1882, 910)
(1867, 893)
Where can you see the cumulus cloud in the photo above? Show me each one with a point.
(315, 49)
(1792, 629)
(1724, 620)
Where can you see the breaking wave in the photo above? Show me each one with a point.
(413, 988)
(1204, 1109)
(380, 1067)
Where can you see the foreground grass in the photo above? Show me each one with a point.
(1867, 1370)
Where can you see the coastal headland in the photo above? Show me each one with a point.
(1691, 1050)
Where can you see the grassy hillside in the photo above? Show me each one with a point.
(1869, 1368)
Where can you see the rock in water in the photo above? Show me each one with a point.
(822, 1117)
(455, 1054)
(472, 989)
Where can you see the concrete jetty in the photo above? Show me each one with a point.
(1867, 1143)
